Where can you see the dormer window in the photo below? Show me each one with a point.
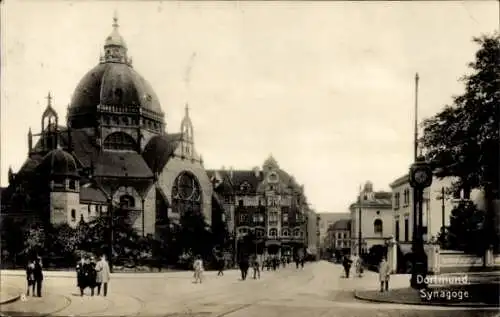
(245, 187)
(272, 178)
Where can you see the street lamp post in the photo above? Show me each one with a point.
(420, 177)
(360, 247)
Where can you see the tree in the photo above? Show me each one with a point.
(34, 242)
(463, 140)
(195, 235)
(466, 228)
(13, 236)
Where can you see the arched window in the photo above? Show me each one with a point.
(127, 201)
(285, 233)
(273, 232)
(259, 232)
(120, 141)
(243, 231)
(377, 226)
(186, 194)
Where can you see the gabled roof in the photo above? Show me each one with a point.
(240, 177)
(121, 164)
(92, 193)
(343, 224)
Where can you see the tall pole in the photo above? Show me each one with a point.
(415, 153)
(442, 210)
(415, 132)
(415, 191)
(359, 226)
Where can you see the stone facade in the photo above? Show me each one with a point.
(267, 201)
(125, 160)
(402, 205)
(376, 218)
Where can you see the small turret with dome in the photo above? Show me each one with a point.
(270, 163)
(368, 193)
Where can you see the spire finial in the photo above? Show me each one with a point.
(186, 110)
(49, 99)
(115, 20)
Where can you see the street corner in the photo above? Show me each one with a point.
(9, 294)
(36, 306)
(429, 297)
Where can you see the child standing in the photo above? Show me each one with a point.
(198, 269)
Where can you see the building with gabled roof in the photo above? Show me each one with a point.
(376, 219)
(267, 200)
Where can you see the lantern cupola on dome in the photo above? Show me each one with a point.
(115, 48)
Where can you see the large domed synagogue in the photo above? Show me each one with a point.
(113, 151)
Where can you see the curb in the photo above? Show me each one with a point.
(10, 299)
(403, 302)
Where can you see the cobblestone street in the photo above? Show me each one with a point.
(318, 290)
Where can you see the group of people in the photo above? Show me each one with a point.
(34, 276)
(384, 269)
(347, 262)
(256, 262)
(92, 274)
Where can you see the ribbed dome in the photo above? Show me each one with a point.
(58, 163)
(114, 84)
(159, 150)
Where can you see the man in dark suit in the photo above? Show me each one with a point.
(38, 275)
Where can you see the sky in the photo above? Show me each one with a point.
(327, 88)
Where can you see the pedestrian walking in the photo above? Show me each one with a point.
(358, 264)
(87, 277)
(38, 275)
(102, 276)
(198, 269)
(275, 262)
(256, 267)
(384, 273)
(30, 277)
(92, 275)
(346, 263)
(221, 263)
(80, 275)
(244, 265)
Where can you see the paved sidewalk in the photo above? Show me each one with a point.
(400, 292)
(141, 275)
(9, 294)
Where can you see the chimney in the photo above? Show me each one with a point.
(256, 170)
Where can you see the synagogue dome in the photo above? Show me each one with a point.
(113, 86)
(58, 163)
